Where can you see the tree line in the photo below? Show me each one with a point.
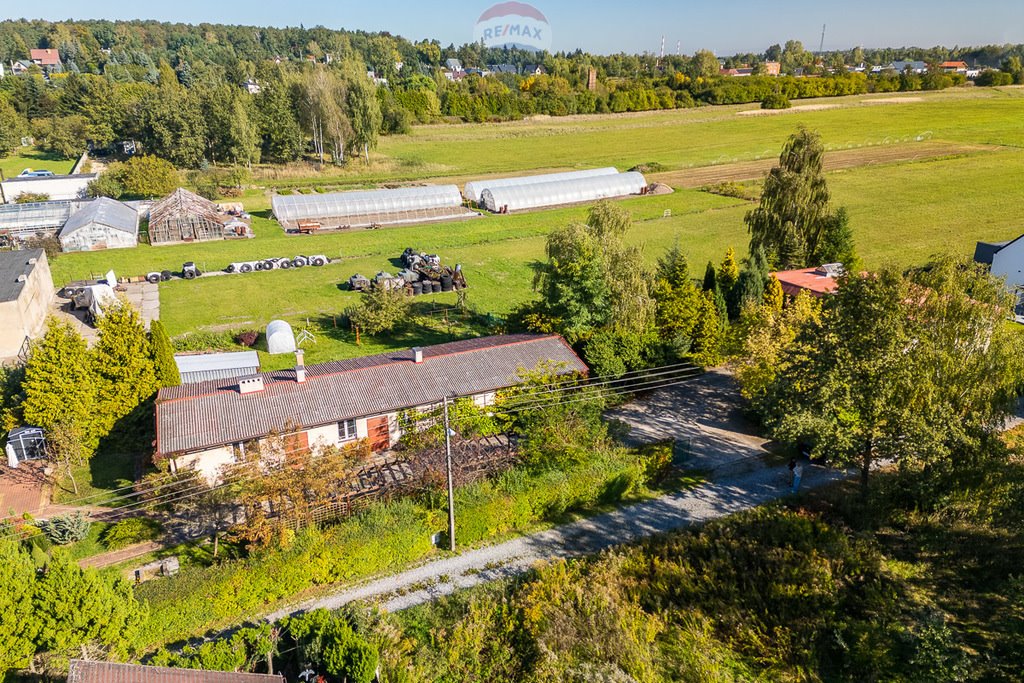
(178, 89)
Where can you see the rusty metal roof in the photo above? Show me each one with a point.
(108, 672)
(195, 417)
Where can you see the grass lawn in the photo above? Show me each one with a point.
(37, 160)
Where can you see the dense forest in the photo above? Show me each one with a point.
(179, 90)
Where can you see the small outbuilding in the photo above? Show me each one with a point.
(103, 223)
(206, 366)
(184, 216)
(1005, 258)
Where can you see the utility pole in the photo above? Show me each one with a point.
(451, 487)
(821, 46)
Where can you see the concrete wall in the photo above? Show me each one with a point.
(26, 316)
(95, 236)
(57, 187)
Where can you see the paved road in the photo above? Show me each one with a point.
(716, 499)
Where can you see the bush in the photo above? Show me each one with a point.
(776, 100)
(247, 338)
(65, 529)
(130, 531)
(204, 341)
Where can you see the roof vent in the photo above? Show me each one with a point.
(32, 261)
(21, 278)
(417, 355)
(830, 269)
(300, 366)
(250, 385)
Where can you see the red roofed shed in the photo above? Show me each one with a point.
(818, 281)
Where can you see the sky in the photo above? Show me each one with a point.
(607, 26)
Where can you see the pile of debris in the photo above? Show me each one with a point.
(421, 274)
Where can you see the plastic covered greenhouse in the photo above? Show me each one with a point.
(518, 198)
(280, 338)
(474, 189)
(363, 207)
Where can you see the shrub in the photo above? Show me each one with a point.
(247, 338)
(65, 529)
(204, 341)
(775, 100)
(130, 531)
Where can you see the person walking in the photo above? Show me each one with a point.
(798, 473)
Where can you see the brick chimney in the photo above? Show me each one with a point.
(300, 366)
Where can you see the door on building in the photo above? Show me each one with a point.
(378, 431)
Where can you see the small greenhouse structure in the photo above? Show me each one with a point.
(475, 188)
(104, 223)
(370, 207)
(280, 337)
(522, 197)
(19, 222)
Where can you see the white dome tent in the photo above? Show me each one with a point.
(280, 338)
(519, 198)
(474, 189)
(369, 206)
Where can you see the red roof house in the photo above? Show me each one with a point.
(818, 281)
(45, 57)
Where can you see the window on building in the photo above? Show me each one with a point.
(347, 430)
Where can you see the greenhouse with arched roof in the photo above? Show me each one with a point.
(540, 195)
(363, 208)
(474, 189)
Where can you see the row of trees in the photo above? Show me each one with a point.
(81, 395)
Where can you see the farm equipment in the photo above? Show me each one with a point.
(94, 298)
(422, 274)
(75, 288)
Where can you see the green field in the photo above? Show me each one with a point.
(901, 212)
(37, 160)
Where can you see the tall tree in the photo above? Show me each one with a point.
(164, 367)
(60, 383)
(12, 126)
(18, 622)
(124, 362)
(794, 209)
(365, 116)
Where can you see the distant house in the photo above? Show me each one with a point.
(534, 70)
(916, 67)
(26, 290)
(1006, 259)
(954, 67)
(46, 58)
(816, 281)
(55, 187)
(80, 671)
(20, 67)
(103, 223)
(503, 68)
(772, 68)
(251, 86)
(207, 426)
(453, 65)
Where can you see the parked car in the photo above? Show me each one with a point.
(29, 173)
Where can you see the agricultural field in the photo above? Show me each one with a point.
(919, 175)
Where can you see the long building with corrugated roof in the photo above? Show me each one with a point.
(206, 425)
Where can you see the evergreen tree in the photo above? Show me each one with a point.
(750, 286)
(837, 240)
(164, 367)
(773, 294)
(124, 362)
(728, 273)
(708, 332)
(61, 384)
(710, 278)
(18, 621)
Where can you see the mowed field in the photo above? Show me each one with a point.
(931, 174)
(29, 157)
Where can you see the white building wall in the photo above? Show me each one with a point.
(322, 437)
(209, 463)
(1008, 262)
(56, 188)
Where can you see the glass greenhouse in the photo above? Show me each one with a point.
(474, 189)
(317, 207)
(518, 198)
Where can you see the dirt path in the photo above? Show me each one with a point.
(119, 556)
(837, 160)
(714, 500)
